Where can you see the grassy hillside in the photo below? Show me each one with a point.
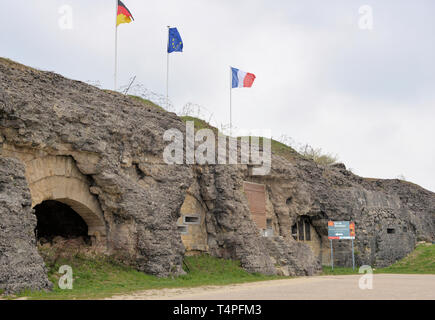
(199, 123)
(15, 65)
(276, 146)
(147, 103)
(99, 277)
(420, 261)
(283, 150)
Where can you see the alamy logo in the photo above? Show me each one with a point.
(66, 19)
(366, 281)
(366, 18)
(243, 150)
(66, 281)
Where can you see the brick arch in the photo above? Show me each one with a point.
(58, 178)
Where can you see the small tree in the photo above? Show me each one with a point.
(317, 155)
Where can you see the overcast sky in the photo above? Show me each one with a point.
(366, 95)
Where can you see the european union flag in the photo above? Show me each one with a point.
(175, 43)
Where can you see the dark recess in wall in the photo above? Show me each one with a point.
(58, 219)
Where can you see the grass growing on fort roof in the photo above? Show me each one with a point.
(276, 146)
(199, 123)
(420, 261)
(147, 103)
(100, 277)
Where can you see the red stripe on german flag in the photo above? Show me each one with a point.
(124, 15)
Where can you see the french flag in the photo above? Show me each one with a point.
(242, 79)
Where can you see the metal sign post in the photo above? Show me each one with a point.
(353, 256)
(332, 256)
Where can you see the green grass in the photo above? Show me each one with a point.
(283, 150)
(276, 146)
(199, 123)
(16, 65)
(147, 103)
(420, 261)
(103, 277)
(338, 271)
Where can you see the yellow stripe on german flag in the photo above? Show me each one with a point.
(124, 15)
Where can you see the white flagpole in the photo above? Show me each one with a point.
(167, 73)
(231, 90)
(116, 43)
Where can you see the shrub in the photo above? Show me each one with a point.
(317, 155)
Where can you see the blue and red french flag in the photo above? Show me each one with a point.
(242, 79)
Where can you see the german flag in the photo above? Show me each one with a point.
(124, 15)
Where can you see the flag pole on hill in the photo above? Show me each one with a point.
(167, 72)
(116, 44)
(239, 79)
(123, 15)
(175, 44)
(231, 98)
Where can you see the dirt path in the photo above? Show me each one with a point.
(385, 286)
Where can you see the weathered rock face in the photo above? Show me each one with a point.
(101, 153)
(115, 145)
(21, 267)
(292, 258)
(231, 232)
(390, 215)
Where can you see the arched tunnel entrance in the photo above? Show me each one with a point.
(57, 219)
(61, 197)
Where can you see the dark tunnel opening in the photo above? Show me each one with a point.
(56, 219)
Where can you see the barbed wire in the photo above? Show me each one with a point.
(195, 110)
